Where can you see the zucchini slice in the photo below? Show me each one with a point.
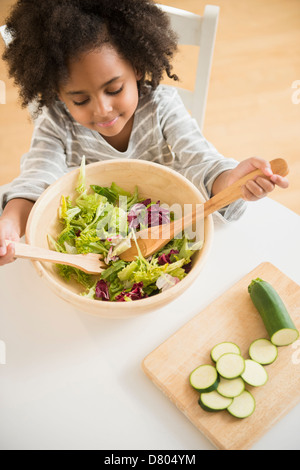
(213, 401)
(223, 348)
(276, 318)
(263, 351)
(243, 405)
(230, 365)
(231, 388)
(254, 374)
(204, 378)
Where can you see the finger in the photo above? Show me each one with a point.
(9, 256)
(256, 190)
(280, 181)
(265, 184)
(248, 195)
(3, 249)
(262, 164)
(10, 253)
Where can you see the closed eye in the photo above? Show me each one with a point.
(81, 103)
(115, 92)
(111, 93)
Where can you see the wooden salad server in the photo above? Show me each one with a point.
(90, 263)
(152, 239)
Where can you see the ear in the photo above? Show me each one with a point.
(138, 74)
(60, 97)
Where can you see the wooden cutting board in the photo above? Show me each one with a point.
(232, 317)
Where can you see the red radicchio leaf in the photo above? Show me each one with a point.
(102, 290)
(149, 216)
(166, 258)
(187, 267)
(146, 202)
(136, 293)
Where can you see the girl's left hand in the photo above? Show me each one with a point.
(259, 187)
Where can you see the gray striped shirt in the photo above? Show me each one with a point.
(163, 132)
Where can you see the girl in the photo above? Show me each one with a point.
(94, 69)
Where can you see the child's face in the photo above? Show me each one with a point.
(101, 94)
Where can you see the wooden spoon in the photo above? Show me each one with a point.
(152, 239)
(90, 263)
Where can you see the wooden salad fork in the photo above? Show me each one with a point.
(152, 239)
(90, 263)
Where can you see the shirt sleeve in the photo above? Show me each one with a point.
(194, 157)
(45, 161)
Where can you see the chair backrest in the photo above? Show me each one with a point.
(5, 35)
(193, 30)
(199, 31)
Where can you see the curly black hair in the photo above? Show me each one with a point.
(47, 34)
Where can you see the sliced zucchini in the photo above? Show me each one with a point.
(263, 351)
(223, 348)
(284, 337)
(230, 365)
(231, 388)
(243, 405)
(276, 318)
(254, 374)
(204, 378)
(213, 401)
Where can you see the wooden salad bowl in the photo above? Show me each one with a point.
(153, 180)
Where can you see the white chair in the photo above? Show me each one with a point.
(199, 31)
(193, 30)
(7, 39)
(5, 35)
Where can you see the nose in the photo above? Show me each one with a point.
(102, 106)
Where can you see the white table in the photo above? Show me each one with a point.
(74, 381)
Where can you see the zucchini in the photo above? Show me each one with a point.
(204, 378)
(254, 374)
(230, 365)
(222, 348)
(276, 318)
(231, 388)
(243, 405)
(213, 401)
(263, 351)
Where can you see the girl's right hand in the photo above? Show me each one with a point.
(7, 232)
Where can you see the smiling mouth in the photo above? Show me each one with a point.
(107, 123)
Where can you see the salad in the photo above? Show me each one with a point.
(105, 220)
